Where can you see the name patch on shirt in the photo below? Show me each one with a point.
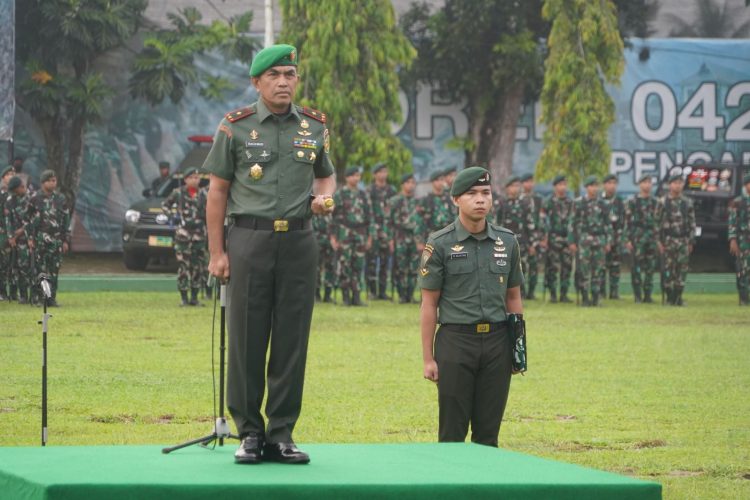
(252, 144)
(459, 255)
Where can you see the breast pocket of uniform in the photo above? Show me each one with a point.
(500, 267)
(256, 159)
(458, 263)
(304, 156)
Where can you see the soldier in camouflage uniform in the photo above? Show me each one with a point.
(739, 240)
(352, 233)
(20, 237)
(432, 214)
(641, 217)
(4, 247)
(590, 238)
(326, 274)
(379, 192)
(51, 226)
(534, 202)
(188, 206)
(515, 214)
(401, 229)
(613, 258)
(555, 214)
(676, 238)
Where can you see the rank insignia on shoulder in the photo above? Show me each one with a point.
(239, 114)
(457, 248)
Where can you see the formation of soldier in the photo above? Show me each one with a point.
(580, 242)
(34, 234)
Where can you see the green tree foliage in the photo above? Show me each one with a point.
(585, 51)
(349, 56)
(487, 52)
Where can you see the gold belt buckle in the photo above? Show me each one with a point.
(281, 225)
(483, 327)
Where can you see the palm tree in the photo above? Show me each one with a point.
(713, 21)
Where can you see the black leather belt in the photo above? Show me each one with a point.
(476, 328)
(277, 225)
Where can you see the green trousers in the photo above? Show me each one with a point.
(474, 372)
(270, 299)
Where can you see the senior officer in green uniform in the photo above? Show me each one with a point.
(471, 278)
(270, 171)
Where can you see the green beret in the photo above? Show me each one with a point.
(674, 177)
(472, 176)
(14, 183)
(746, 178)
(47, 175)
(558, 179)
(436, 174)
(190, 171)
(609, 177)
(644, 177)
(275, 55)
(378, 167)
(7, 169)
(591, 179)
(510, 180)
(353, 170)
(406, 177)
(526, 177)
(163, 164)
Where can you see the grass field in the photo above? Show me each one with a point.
(649, 391)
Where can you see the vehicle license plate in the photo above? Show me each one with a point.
(160, 241)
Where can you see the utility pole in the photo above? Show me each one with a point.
(269, 24)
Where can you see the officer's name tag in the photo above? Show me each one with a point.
(459, 255)
(501, 255)
(250, 144)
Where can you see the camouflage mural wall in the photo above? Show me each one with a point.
(679, 100)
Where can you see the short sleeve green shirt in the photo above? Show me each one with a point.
(472, 272)
(270, 160)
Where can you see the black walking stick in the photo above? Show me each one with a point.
(46, 292)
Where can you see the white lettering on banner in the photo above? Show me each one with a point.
(727, 157)
(403, 102)
(640, 110)
(620, 162)
(702, 101)
(739, 129)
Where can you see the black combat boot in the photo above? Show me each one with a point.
(564, 297)
(614, 292)
(647, 297)
(194, 297)
(595, 299)
(678, 296)
(585, 299)
(637, 294)
(553, 296)
(382, 293)
(327, 296)
(356, 299)
(670, 296)
(3, 291)
(184, 298)
(347, 300)
(530, 293)
(13, 293)
(372, 290)
(744, 298)
(23, 295)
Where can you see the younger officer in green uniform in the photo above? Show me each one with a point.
(351, 235)
(270, 171)
(739, 240)
(471, 278)
(676, 238)
(188, 206)
(51, 226)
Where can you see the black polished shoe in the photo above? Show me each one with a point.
(285, 453)
(250, 450)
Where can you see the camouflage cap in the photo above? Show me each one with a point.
(609, 177)
(436, 174)
(591, 179)
(406, 177)
(558, 179)
(190, 171)
(526, 177)
(47, 175)
(14, 183)
(469, 177)
(274, 55)
(353, 170)
(510, 180)
(674, 177)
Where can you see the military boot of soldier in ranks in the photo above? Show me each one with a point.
(590, 238)
(379, 192)
(535, 255)
(556, 213)
(50, 222)
(7, 173)
(352, 233)
(641, 231)
(17, 219)
(613, 258)
(515, 214)
(401, 225)
(187, 205)
(676, 239)
(739, 240)
(326, 275)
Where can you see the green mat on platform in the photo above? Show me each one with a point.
(336, 471)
